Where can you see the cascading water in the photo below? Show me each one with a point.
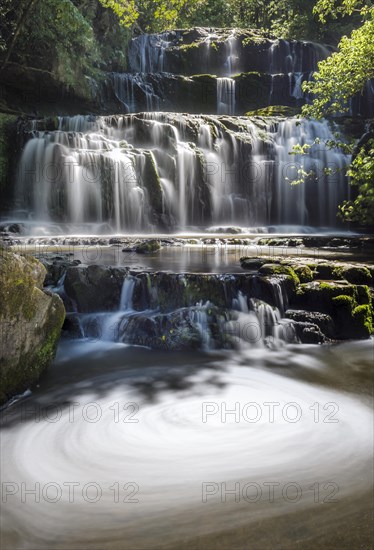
(225, 96)
(114, 170)
(238, 322)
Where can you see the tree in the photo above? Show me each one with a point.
(339, 78)
(16, 25)
(152, 15)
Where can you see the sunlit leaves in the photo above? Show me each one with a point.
(126, 10)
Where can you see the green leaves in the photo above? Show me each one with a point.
(361, 173)
(126, 10)
(343, 74)
(152, 15)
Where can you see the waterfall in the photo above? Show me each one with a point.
(230, 64)
(296, 90)
(153, 317)
(225, 96)
(327, 168)
(142, 172)
(147, 52)
(156, 171)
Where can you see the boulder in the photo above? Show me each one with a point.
(148, 247)
(31, 321)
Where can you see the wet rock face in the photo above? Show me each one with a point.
(178, 330)
(30, 321)
(95, 287)
(334, 296)
(349, 306)
(221, 52)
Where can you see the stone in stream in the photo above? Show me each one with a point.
(148, 247)
(30, 320)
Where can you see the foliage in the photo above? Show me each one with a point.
(296, 19)
(343, 74)
(361, 173)
(152, 15)
(55, 30)
(339, 78)
(126, 10)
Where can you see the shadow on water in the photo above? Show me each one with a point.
(91, 368)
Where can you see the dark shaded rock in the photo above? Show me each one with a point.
(56, 267)
(358, 275)
(328, 271)
(339, 300)
(309, 333)
(94, 287)
(71, 327)
(322, 320)
(252, 264)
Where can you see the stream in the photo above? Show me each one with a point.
(125, 447)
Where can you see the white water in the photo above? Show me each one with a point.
(100, 170)
(225, 96)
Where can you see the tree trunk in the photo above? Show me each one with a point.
(19, 25)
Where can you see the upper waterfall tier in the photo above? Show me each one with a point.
(155, 171)
(223, 52)
(217, 71)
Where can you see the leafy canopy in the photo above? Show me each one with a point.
(152, 15)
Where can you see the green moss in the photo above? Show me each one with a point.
(148, 247)
(364, 316)
(363, 295)
(275, 110)
(344, 301)
(304, 273)
(17, 278)
(279, 269)
(204, 77)
(187, 47)
(44, 356)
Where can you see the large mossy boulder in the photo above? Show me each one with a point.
(30, 321)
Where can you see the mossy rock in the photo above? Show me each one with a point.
(253, 264)
(322, 320)
(358, 275)
(30, 320)
(304, 273)
(329, 272)
(339, 300)
(363, 317)
(279, 269)
(148, 247)
(275, 110)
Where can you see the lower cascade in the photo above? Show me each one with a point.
(144, 316)
(152, 171)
